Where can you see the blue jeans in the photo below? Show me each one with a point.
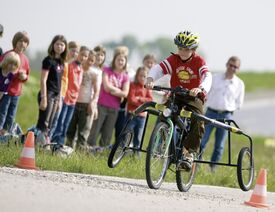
(8, 108)
(55, 120)
(137, 124)
(64, 120)
(220, 134)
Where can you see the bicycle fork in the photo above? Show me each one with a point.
(170, 136)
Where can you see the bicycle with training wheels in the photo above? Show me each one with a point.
(165, 147)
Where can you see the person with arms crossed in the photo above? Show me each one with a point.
(85, 106)
(115, 85)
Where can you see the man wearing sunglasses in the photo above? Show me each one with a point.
(225, 96)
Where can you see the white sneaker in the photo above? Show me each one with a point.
(64, 151)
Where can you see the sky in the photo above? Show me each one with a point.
(244, 28)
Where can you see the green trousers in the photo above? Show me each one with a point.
(192, 141)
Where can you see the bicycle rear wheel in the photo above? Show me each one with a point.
(120, 147)
(185, 178)
(157, 158)
(245, 169)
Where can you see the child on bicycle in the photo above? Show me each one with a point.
(188, 70)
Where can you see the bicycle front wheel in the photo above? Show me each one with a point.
(120, 148)
(157, 158)
(185, 178)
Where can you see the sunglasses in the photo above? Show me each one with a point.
(233, 66)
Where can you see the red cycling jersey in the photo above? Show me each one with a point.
(186, 74)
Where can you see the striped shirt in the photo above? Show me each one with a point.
(185, 74)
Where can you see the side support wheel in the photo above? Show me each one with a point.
(245, 169)
(120, 147)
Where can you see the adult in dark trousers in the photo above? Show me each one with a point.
(226, 95)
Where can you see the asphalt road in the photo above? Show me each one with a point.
(257, 115)
(46, 191)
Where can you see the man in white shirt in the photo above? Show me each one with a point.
(225, 96)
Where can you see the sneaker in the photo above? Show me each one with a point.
(187, 161)
(41, 139)
(47, 145)
(213, 168)
(64, 151)
(5, 138)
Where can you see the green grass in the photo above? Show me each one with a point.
(27, 112)
(133, 168)
(258, 81)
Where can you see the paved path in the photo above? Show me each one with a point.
(46, 191)
(257, 116)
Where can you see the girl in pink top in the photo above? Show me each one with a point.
(75, 73)
(114, 87)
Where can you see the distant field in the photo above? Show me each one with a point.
(258, 81)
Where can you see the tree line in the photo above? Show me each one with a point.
(160, 47)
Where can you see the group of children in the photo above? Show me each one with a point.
(80, 99)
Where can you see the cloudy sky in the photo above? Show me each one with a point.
(227, 27)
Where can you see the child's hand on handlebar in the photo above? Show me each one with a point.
(149, 83)
(195, 91)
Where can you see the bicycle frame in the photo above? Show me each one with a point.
(150, 107)
(173, 121)
(173, 127)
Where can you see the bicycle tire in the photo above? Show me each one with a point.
(185, 178)
(120, 147)
(157, 152)
(245, 169)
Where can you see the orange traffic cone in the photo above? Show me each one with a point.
(258, 197)
(27, 158)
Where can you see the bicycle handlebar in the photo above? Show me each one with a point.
(177, 90)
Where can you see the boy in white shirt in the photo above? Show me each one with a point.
(86, 105)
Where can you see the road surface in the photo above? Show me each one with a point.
(257, 116)
(45, 191)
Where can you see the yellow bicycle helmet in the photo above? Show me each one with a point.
(187, 40)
